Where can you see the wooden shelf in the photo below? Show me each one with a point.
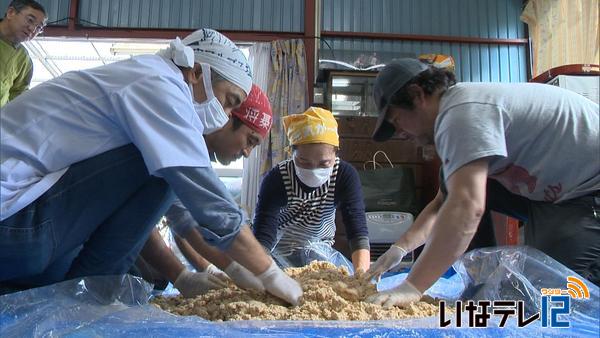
(575, 69)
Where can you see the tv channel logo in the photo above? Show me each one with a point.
(556, 302)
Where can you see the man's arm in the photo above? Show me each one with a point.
(183, 223)
(201, 249)
(201, 192)
(198, 252)
(455, 225)
(453, 229)
(414, 237)
(156, 253)
(241, 276)
(223, 224)
(221, 219)
(198, 262)
(160, 257)
(245, 249)
(419, 231)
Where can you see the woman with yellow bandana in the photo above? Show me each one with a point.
(298, 198)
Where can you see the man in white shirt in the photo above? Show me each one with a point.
(248, 125)
(90, 161)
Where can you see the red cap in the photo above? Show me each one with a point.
(256, 112)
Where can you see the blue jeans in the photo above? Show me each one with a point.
(93, 221)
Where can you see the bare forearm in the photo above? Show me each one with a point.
(245, 250)
(361, 259)
(191, 254)
(207, 252)
(455, 225)
(447, 242)
(156, 253)
(420, 230)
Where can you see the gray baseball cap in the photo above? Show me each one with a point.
(390, 79)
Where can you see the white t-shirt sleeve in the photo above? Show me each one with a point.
(158, 114)
(468, 132)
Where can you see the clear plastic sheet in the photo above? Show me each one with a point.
(313, 251)
(116, 306)
(519, 273)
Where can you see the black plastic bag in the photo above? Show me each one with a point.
(388, 189)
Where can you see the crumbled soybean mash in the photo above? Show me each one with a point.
(330, 293)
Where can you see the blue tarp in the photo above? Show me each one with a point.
(116, 306)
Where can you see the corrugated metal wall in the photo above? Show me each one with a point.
(472, 18)
(246, 15)
(467, 18)
(474, 62)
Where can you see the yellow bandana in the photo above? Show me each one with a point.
(315, 125)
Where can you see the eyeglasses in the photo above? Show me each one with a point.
(31, 22)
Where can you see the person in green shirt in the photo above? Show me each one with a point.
(23, 20)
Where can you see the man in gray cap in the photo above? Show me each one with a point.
(506, 147)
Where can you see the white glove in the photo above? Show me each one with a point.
(213, 270)
(387, 261)
(401, 295)
(243, 278)
(277, 283)
(192, 284)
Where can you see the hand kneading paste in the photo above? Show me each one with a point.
(330, 293)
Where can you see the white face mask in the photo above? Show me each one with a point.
(210, 112)
(313, 177)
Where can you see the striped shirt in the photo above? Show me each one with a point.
(290, 214)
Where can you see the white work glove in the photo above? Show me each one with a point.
(243, 278)
(213, 270)
(277, 283)
(387, 261)
(192, 284)
(401, 295)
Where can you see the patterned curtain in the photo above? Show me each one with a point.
(280, 71)
(288, 93)
(563, 32)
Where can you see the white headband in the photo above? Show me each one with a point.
(181, 54)
(216, 50)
